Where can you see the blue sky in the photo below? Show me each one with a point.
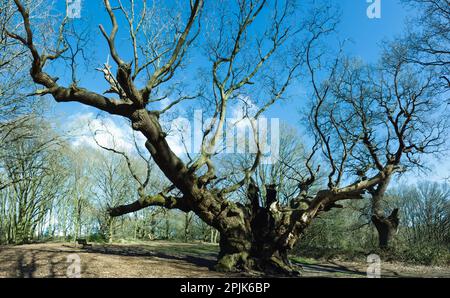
(366, 35)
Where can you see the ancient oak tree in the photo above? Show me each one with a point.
(252, 48)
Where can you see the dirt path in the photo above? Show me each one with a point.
(51, 260)
(160, 259)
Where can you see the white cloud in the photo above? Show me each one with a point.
(164, 103)
(179, 136)
(184, 134)
(115, 132)
(109, 131)
(245, 106)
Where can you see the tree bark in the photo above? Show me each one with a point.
(256, 249)
(261, 240)
(386, 228)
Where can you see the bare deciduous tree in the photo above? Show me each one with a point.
(374, 122)
(34, 166)
(428, 38)
(256, 48)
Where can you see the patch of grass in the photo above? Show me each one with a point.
(421, 255)
(346, 275)
(325, 253)
(196, 249)
(303, 260)
(425, 254)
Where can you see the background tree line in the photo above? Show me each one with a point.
(51, 197)
(422, 237)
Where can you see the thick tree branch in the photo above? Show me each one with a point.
(161, 200)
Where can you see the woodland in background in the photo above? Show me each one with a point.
(63, 203)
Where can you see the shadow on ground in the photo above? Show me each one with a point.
(109, 260)
(195, 257)
(164, 259)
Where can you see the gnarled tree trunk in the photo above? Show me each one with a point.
(252, 237)
(386, 227)
(259, 238)
(261, 244)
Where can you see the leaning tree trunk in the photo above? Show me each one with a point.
(386, 227)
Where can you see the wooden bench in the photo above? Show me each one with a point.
(83, 242)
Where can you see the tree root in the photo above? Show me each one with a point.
(242, 262)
